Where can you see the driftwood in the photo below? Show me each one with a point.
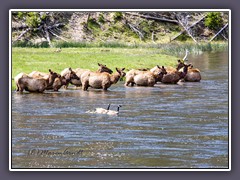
(14, 28)
(188, 28)
(56, 25)
(140, 34)
(218, 33)
(47, 35)
(24, 32)
(154, 18)
(44, 29)
(224, 37)
(54, 34)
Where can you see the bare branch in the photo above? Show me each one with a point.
(47, 35)
(136, 30)
(185, 28)
(218, 32)
(154, 18)
(24, 32)
(188, 28)
(57, 36)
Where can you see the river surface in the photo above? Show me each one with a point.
(166, 126)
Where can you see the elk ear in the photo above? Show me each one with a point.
(163, 67)
(50, 71)
(158, 66)
(70, 69)
(99, 64)
(117, 70)
(123, 69)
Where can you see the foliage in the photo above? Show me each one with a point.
(101, 18)
(43, 44)
(92, 24)
(213, 20)
(32, 19)
(117, 16)
(41, 59)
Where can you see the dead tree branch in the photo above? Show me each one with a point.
(47, 35)
(140, 34)
(185, 28)
(188, 28)
(154, 18)
(218, 33)
(24, 32)
(54, 34)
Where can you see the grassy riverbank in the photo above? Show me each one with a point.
(113, 55)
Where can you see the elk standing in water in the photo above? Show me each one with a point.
(103, 80)
(63, 80)
(36, 84)
(145, 78)
(193, 75)
(16, 78)
(174, 76)
(79, 72)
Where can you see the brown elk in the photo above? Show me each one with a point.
(145, 78)
(180, 65)
(36, 84)
(79, 72)
(102, 80)
(16, 78)
(173, 77)
(63, 80)
(193, 75)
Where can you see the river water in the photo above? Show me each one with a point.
(166, 126)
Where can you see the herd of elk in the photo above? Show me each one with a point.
(104, 77)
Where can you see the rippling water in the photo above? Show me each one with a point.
(166, 126)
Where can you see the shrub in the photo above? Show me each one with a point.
(101, 18)
(213, 20)
(117, 16)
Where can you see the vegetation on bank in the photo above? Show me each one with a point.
(166, 48)
(87, 55)
(46, 28)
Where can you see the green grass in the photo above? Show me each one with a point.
(41, 59)
(113, 54)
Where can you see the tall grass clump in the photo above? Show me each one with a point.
(64, 44)
(166, 48)
(29, 44)
(176, 49)
(84, 44)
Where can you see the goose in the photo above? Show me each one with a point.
(102, 110)
(111, 112)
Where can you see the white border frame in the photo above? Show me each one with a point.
(114, 10)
